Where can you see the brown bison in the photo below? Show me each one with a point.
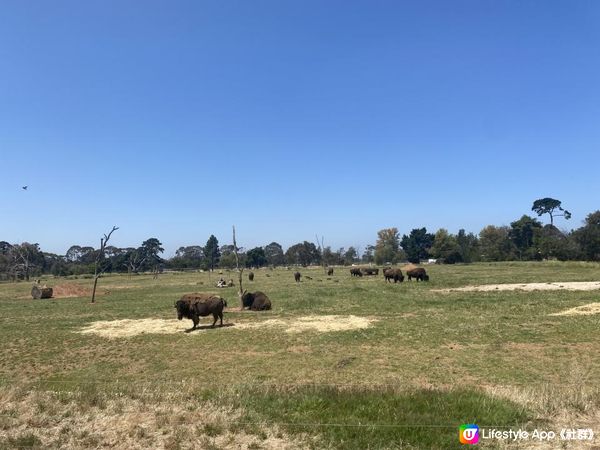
(194, 306)
(356, 272)
(251, 276)
(330, 271)
(370, 271)
(393, 274)
(418, 273)
(256, 301)
(297, 277)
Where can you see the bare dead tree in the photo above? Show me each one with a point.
(321, 246)
(98, 268)
(240, 271)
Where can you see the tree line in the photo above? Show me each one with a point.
(525, 239)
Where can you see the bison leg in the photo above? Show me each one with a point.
(221, 317)
(215, 316)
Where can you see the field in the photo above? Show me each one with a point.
(339, 362)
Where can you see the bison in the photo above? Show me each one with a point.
(370, 271)
(194, 306)
(330, 271)
(251, 276)
(356, 272)
(418, 273)
(297, 277)
(393, 274)
(256, 301)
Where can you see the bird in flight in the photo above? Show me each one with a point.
(24, 188)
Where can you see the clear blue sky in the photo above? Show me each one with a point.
(177, 119)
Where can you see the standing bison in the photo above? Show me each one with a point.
(297, 277)
(256, 301)
(356, 272)
(251, 276)
(393, 274)
(194, 306)
(370, 271)
(330, 271)
(418, 273)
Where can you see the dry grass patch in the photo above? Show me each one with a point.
(584, 310)
(80, 420)
(568, 286)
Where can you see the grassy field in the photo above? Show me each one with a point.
(427, 362)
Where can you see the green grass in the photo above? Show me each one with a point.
(429, 358)
(371, 417)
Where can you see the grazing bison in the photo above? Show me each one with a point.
(297, 277)
(418, 273)
(393, 274)
(256, 301)
(370, 271)
(194, 306)
(356, 272)
(330, 271)
(251, 276)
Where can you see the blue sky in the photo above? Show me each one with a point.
(290, 118)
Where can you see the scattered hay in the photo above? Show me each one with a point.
(409, 266)
(134, 327)
(126, 328)
(321, 324)
(584, 310)
(68, 290)
(568, 286)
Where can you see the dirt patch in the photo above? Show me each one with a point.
(568, 286)
(584, 310)
(134, 327)
(67, 290)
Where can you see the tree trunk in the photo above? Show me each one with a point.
(240, 271)
(94, 290)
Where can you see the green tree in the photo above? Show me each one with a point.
(368, 254)
(304, 254)
(256, 257)
(446, 247)
(274, 254)
(329, 257)
(551, 207)
(495, 244)
(417, 244)
(387, 246)
(212, 252)
(522, 234)
(588, 237)
(468, 245)
(350, 256)
(150, 251)
(551, 243)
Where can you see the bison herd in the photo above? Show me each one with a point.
(194, 306)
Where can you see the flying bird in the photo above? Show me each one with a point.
(24, 188)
